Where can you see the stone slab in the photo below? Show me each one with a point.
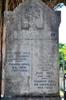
(39, 98)
(31, 50)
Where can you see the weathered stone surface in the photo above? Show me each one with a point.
(31, 62)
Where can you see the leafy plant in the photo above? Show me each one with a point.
(62, 55)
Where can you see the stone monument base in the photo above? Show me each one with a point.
(32, 98)
(52, 98)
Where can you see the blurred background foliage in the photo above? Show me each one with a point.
(62, 56)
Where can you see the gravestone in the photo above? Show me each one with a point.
(31, 50)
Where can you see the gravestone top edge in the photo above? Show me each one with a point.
(41, 4)
(27, 3)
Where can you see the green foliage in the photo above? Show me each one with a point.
(62, 55)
